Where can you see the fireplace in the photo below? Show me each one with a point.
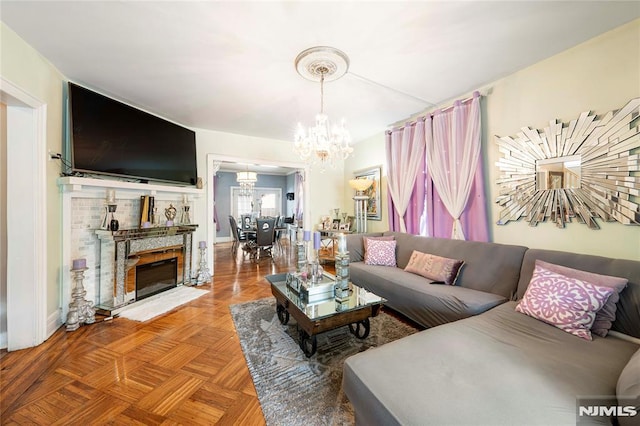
(156, 277)
(125, 255)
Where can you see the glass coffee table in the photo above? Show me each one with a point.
(316, 309)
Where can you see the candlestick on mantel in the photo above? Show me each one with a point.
(202, 244)
(111, 196)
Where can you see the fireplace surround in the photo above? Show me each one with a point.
(123, 252)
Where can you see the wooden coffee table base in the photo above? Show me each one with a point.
(357, 320)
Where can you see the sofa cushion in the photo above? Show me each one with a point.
(606, 315)
(564, 302)
(489, 267)
(498, 368)
(414, 296)
(380, 252)
(436, 268)
(627, 312)
(628, 389)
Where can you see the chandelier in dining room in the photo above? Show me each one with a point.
(322, 143)
(247, 181)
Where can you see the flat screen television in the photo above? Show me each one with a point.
(108, 137)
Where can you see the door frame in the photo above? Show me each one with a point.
(26, 277)
(211, 169)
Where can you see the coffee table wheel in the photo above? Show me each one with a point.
(360, 329)
(308, 344)
(283, 314)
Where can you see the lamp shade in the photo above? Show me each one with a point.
(360, 184)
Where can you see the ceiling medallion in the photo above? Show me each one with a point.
(322, 143)
(322, 61)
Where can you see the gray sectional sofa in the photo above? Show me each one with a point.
(479, 362)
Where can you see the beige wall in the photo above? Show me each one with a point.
(28, 70)
(600, 75)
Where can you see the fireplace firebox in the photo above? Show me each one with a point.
(156, 277)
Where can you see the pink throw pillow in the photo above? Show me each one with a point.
(605, 316)
(365, 240)
(381, 253)
(434, 267)
(567, 303)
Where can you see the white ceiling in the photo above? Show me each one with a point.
(228, 66)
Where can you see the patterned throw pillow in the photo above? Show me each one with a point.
(436, 268)
(365, 240)
(381, 253)
(605, 316)
(567, 303)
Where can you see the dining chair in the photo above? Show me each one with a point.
(237, 237)
(265, 229)
(246, 222)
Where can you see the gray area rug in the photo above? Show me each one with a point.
(294, 389)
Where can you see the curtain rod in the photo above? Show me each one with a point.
(423, 116)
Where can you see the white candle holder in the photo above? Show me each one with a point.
(81, 311)
(203, 270)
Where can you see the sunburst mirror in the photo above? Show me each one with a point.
(586, 169)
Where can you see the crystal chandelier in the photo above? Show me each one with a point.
(247, 181)
(323, 143)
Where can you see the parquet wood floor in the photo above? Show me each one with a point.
(184, 367)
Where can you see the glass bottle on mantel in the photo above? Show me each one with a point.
(105, 220)
(186, 217)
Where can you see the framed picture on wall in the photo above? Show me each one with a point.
(374, 206)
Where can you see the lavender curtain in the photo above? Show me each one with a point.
(455, 183)
(473, 219)
(406, 178)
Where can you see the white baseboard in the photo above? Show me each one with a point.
(54, 322)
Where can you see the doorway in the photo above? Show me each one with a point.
(214, 162)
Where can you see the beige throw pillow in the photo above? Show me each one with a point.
(436, 268)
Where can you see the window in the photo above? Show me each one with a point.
(268, 205)
(265, 202)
